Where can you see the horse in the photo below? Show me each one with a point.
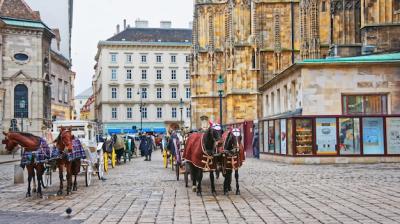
(232, 159)
(67, 144)
(36, 148)
(199, 153)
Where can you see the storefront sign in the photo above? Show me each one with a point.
(393, 135)
(373, 135)
(326, 135)
(283, 136)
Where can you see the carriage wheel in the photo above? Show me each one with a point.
(113, 158)
(165, 159)
(100, 168)
(88, 175)
(106, 162)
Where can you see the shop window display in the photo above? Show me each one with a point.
(261, 134)
(349, 136)
(265, 138)
(271, 139)
(326, 136)
(304, 136)
(283, 137)
(393, 135)
(289, 136)
(373, 135)
(277, 137)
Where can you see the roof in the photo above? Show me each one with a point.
(154, 35)
(375, 58)
(85, 94)
(18, 9)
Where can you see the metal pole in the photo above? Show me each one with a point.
(181, 119)
(22, 124)
(141, 114)
(220, 107)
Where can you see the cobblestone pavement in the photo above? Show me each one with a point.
(144, 192)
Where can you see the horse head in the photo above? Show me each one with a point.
(212, 138)
(64, 139)
(9, 142)
(232, 143)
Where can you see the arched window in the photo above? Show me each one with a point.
(21, 101)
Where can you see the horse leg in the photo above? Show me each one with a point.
(39, 180)
(34, 190)
(193, 173)
(237, 182)
(76, 167)
(29, 169)
(60, 170)
(199, 179)
(213, 191)
(69, 178)
(227, 179)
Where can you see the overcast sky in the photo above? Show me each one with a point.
(96, 20)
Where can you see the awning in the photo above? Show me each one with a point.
(130, 131)
(147, 130)
(114, 131)
(160, 130)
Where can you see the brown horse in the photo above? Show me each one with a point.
(29, 143)
(64, 143)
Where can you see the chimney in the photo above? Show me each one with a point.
(141, 23)
(117, 28)
(124, 24)
(165, 24)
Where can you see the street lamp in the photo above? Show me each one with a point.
(22, 107)
(220, 83)
(181, 108)
(141, 112)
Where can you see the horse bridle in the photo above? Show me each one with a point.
(61, 138)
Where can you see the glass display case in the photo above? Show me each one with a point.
(304, 137)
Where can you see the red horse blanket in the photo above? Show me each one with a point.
(234, 161)
(196, 154)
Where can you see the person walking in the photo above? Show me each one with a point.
(256, 150)
(150, 146)
(143, 145)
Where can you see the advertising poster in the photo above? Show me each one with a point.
(393, 135)
(283, 137)
(277, 137)
(373, 135)
(326, 135)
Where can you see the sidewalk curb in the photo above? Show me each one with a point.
(9, 161)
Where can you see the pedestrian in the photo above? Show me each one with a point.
(149, 146)
(143, 144)
(174, 145)
(256, 145)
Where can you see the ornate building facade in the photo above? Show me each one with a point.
(249, 42)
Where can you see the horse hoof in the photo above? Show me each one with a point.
(74, 188)
(40, 195)
(214, 193)
(237, 192)
(28, 195)
(199, 194)
(34, 190)
(229, 189)
(68, 192)
(59, 193)
(194, 189)
(226, 193)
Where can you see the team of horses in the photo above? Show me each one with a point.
(33, 145)
(214, 151)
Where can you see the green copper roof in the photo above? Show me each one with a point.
(393, 57)
(24, 23)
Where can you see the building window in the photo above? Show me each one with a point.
(60, 92)
(114, 114)
(128, 74)
(53, 87)
(364, 104)
(323, 6)
(114, 93)
(144, 93)
(66, 92)
(144, 74)
(144, 112)
(129, 112)
(187, 58)
(188, 112)
(144, 58)
(129, 58)
(113, 58)
(159, 74)
(158, 58)
(159, 112)
(173, 74)
(21, 101)
(187, 75)
(113, 74)
(188, 94)
(129, 93)
(173, 93)
(173, 58)
(174, 112)
(159, 93)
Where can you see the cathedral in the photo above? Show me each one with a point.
(249, 42)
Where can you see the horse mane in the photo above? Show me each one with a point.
(228, 142)
(28, 135)
(208, 140)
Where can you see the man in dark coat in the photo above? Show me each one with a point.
(174, 146)
(143, 145)
(150, 146)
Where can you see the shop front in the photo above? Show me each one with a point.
(332, 137)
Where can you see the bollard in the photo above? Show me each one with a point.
(18, 174)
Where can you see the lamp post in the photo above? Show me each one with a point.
(21, 107)
(141, 112)
(220, 83)
(181, 108)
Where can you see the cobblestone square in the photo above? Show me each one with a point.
(145, 192)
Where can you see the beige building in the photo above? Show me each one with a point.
(25, 68)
